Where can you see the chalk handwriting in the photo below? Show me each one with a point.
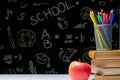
(21, 16)
(19, 69)
(69, 38)
(92, 39)
(45, 35)
(9, 58)
(81, 38)
(47, 44)
(50, 12)
(15, 71)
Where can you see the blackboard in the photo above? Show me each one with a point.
(44, 36)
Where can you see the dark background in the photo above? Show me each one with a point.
(44, 36)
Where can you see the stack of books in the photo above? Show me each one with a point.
(105, 64)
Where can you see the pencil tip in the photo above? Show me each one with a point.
(111, 11)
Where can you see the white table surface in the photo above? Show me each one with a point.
(39, 77)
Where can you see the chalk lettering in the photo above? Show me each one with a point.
(21, 17)
(45, 34)
(34, 21)
(50, 12)
(41, 18)
(47, 44)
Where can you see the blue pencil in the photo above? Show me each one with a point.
(112, 18)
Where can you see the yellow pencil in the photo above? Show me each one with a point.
(99, 40)
(93, 18)
(102, 38)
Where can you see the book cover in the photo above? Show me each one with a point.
(99, 77)
(105, 70)
(108, 54)
(106, 63)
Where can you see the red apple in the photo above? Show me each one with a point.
(79, 70)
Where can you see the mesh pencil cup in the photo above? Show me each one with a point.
(103, 36)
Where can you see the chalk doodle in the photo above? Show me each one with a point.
(43, 59)
(66, 55)
(80, 26)
(40, 4)
(23, 4)
(9, 13)
(57, 36)
(13, 1)
(32, 68)
(52, 71)
(84, 13)
(26, 38)
(1, 45)
(116, 42)
(10, 37)
(115, 25)
(102, 3)
(19, 69)
(62, 23)
(10, 71)
(15, 70)
(85, 52)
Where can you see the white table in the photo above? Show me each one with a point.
(38, 77)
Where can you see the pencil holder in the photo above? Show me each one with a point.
(103, 36)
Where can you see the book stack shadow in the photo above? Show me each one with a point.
(105, 64)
